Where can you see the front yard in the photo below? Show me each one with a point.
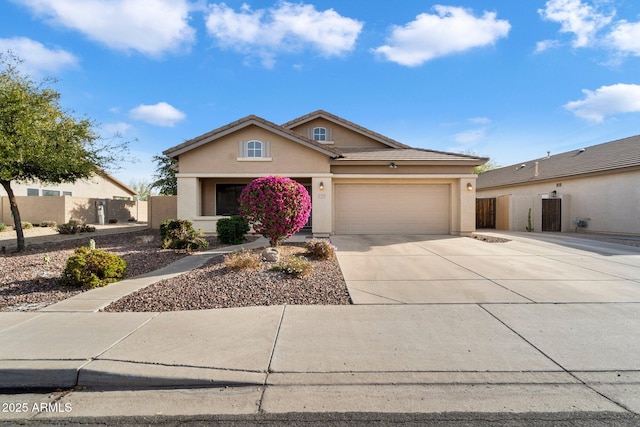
(30, 280)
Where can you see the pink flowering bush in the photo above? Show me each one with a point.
(277, 207)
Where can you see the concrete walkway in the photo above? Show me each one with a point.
(528, 326)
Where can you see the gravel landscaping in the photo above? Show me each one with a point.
(214, 286)
(30, 280)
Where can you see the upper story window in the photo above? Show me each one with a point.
(254, 150)
(320, 134)
(33, 192)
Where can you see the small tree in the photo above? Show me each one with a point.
(165, 177)
(41, 141)
(143, 188)
(277, 207)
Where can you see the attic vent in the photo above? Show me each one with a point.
(522, 166)
(582, 150)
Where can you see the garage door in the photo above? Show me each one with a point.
(391, 209)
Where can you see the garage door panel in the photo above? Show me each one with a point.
(392, 209)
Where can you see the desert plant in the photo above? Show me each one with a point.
(84, 228)
(26, 225)
(294, 265)
(529, 225)
(51, 224)
(93, 268)
(277, 207)
(231, 231)
(320, 249)
(180, 234)
(241, 260)
(113, 221)
(3, 226)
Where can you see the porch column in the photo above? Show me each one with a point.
(188, 198)
(322, 204)
(467, 192)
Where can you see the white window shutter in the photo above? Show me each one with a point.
(310, 133)
(329, 134)
(242, 149)
(266, 149)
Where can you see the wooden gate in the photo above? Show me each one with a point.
(486, 213)
(551, 214)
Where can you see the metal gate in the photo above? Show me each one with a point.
(486, 213)
(551, 214)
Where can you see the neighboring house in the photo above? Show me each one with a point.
(593, 189)
(90, 200)
(99, 186)
(360, 182)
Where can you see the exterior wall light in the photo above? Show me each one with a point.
(469, 186)
(392, 165)
(321, 186)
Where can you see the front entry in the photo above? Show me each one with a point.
(551, 214)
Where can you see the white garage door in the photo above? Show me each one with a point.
(391, 209)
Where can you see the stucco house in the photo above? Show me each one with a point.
(592, 189)
(360, 182)
(101, 197)
(103, 186)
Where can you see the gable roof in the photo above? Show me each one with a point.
(243, 123)
(347, 124)
(408, 154)
(119, 183)
(396, 151)
(609, 156)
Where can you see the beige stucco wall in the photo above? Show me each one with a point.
(612, 202)
(221, 156)
(35, 209)
(161, 208)
(97, 186)
(343, 137)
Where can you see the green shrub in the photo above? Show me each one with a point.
(84, 228)
(93, 268)
(241, 260)
(295, 266)
(320, 249)
(3, 226)
(51, 224)
(26, 225)
(231, 231)
(180, 234)
(75, 227)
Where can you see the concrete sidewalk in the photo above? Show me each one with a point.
(476, 356)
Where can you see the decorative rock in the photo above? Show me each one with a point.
(145, 239)
(271, 255)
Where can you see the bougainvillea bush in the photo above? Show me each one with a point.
(276, 206)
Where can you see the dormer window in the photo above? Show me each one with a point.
(254, 150)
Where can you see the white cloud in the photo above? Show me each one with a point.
(151, 27)
(38, 58)
(470, 136)
(480, 120)
(119, 128)
(451, 30)
(546, 45)
(286, 27)
(160, 114)
(606, 101)
(625, 37)
(578, 18)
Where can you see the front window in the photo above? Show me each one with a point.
(254, 149)
(54, 193)
(320, 134)
(227, 196)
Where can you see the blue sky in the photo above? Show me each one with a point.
(502, 78)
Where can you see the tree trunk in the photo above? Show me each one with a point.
(16, 214)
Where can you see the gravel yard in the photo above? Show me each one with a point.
(213, 286)
(30, 280)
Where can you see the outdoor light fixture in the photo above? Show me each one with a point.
(321, 186)
(393, 165)
(469, 186)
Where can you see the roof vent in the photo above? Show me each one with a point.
(581, 150)
(548, 154)
(522, 166)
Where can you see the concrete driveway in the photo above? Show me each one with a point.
(531, 268)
